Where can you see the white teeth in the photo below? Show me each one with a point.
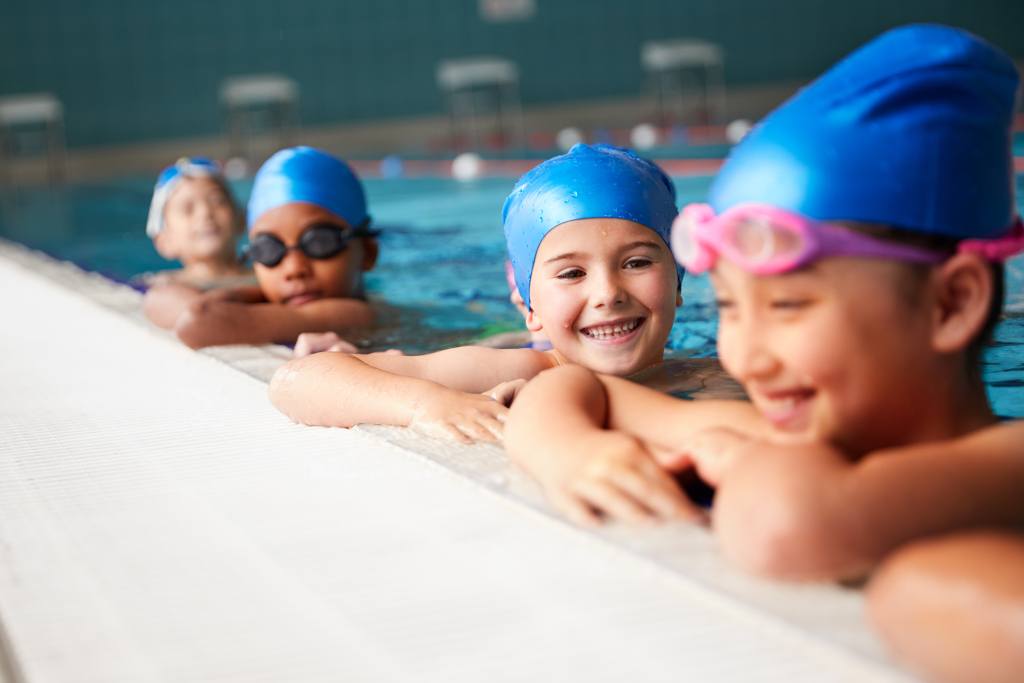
(781, 404)
(610, 331)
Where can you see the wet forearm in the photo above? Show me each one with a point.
(212, 321)
(933, 488)
(666, 422)
(209, 322)
(339, 390)
(806, 512)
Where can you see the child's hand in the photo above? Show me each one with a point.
(612, 476)
(506, 392)
(712, 452)
(309, 343)
(460, 416)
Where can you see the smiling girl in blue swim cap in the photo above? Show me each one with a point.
(310, 243)
(854, 240)
(587, 235)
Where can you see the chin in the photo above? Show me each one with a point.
(618, 367)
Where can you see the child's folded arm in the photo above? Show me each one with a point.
(556, 433)
(164, 304)
(438, 393)
(471, 369)
(245, 295)
(806, 512)
(210, 321)
(665, 422)
(937, 487)
(551, 413)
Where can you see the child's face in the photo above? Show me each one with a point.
(604, 291)
(299, 279)
(199, 223)
(836, 352)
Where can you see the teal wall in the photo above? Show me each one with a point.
(137, 70)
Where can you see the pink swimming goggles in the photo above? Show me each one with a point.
(767, 240)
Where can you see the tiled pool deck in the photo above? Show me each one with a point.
(159, 520)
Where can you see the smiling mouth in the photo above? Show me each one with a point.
(613, 331)
(786, 409)
(207, 233)
(303, 298)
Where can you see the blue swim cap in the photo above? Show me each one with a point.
(186, 167)
(304, 174)
(598, 181)
(912, 131)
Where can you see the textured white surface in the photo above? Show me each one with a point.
(160, 521)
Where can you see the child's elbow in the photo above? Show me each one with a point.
(787, 535)
(287, 394)
(280, 389)
(158, 309)
(192, 326)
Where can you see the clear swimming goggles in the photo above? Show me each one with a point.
(767, 240)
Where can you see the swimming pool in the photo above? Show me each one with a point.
(442, 253)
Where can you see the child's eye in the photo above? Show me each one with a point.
(724, 303)
(638, 262)
(571, 274)
(790, 304)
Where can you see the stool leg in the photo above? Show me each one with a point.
(474, 120)
(291, 121)
(499, 116)
(719, 81)
(518, 124)
(5, 158)
(659, 95)
(55, 150)
(232, 131)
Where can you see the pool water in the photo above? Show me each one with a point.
(442, 254)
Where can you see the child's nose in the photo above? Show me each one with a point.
(751, 357)
(295, 265)
(608, 290)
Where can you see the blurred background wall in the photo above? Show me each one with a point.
(132, 71)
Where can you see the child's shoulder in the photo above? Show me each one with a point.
(1004, 430)
(522, 362)
(159, 278)
(691, 378)
(181, 276)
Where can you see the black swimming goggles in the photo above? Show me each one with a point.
(321, 240)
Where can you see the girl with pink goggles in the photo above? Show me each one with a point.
(767, 240)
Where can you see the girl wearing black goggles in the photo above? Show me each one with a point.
(318, 241)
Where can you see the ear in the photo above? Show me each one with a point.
(165, 246)
(371, 250)
(533, 322)
(963, 290)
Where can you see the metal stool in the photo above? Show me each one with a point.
(675, 64)
(34, 110)
(479, 85)
(246, 98)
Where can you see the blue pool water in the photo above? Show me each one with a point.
(442, 253)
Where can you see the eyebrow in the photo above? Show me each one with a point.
(632, 245)
(642, 243)
(562, 257)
